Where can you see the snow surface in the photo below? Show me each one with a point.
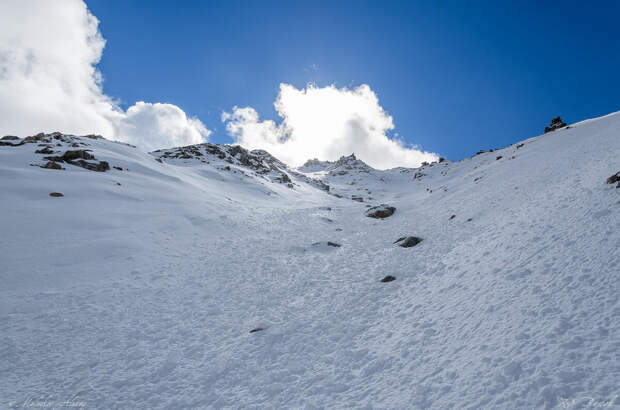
(139, 287)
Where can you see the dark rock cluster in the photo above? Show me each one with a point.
(48, 142)
(258, 161)
(78, 158)
(556, 123)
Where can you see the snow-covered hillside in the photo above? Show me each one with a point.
(215, 277)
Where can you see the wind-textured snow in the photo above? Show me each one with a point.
(139, 287)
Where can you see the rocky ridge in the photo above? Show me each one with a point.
(234, 158)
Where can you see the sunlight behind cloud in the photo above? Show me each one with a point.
(325, 123)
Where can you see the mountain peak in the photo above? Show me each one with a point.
(348, 162)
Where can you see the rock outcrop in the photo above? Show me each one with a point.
(258, 162)
(80, 158)
(556, 123)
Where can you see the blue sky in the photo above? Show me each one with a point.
(456, 77)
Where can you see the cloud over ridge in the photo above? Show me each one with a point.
(49, 82)
(325, 123)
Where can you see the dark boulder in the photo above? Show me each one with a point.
(333, 244)
(388, 278)
(556, 123)
(614, 178)
(380, 211)
(408, 241)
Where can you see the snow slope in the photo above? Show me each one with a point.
(143, 294)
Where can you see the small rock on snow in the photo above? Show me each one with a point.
(614, 178)
(408, 241)
(380, 211)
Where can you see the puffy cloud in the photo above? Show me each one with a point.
(153, 126)
(49, 82)
(325, 123)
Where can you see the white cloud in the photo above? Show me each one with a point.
(48, 80)
(159, 125)
(325, 123)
